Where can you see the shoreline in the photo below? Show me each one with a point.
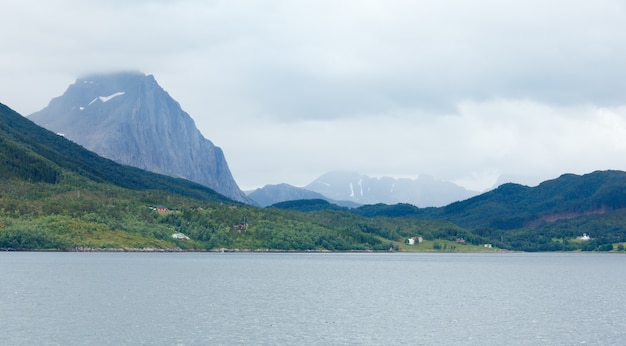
(226, 250)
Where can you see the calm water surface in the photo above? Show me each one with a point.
(312, 299)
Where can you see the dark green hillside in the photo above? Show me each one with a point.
(20, 163)
(513, 206)
(308, 205)
(396, 210)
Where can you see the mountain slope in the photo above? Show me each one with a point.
(34, 154)
(512, 206)
(129, 118)
(424, 191)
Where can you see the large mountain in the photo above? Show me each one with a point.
(425, 191)
(127, 117)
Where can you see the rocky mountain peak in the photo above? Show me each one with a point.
(127, 117)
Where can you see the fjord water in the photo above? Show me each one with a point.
(311, 299)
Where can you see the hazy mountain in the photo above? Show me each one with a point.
(129, 118)
(425, 191)
(272, 194)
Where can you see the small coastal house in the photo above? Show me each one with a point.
(180, 236)
(414, 240)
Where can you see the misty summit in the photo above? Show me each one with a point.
(128, 118)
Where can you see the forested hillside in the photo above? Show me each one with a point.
(512, 206)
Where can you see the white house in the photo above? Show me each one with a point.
(585, 236)
(412, 241)
(180, 236)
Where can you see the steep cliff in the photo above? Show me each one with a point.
(129, 118)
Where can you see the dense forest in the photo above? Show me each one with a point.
(55, 195)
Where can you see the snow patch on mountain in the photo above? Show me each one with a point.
(361, 186)
(107, 98)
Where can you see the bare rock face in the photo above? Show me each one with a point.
(130, 119)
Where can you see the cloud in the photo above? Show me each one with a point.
(474, 92)
(325, 59)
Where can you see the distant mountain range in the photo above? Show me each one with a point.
(353, 189)
(129, 118)
(425, 191)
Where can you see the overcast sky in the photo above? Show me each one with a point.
(475, 92)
